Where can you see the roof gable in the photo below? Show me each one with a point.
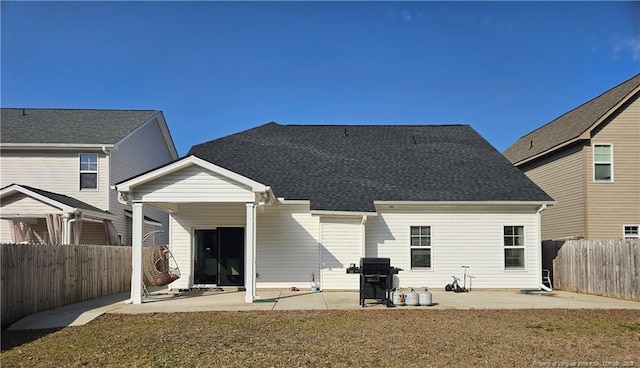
(70, 126)
(185, 163)
(572, 124)
(66, 203)
(347, 167)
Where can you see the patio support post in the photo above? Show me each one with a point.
(66, 231)
(250, 254)
(137, 256)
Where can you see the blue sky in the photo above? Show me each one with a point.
(216, 68)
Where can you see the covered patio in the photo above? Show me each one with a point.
(37, 216)
(212, 223)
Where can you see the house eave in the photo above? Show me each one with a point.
(329, 213)
(459, 204)
(55, 146)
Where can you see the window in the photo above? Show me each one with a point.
(88, 171)
(514, 247)
(602, 163)
(420, 247)
(631, 231)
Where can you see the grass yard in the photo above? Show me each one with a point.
(352, 338)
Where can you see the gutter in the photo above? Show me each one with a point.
(541, 285)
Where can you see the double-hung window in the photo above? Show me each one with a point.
(420, 247)
(631, 231)
(513, 247)
(88, 171)
(603, 163)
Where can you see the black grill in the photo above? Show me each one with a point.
(376, 279)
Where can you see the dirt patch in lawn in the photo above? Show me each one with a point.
(363, 338)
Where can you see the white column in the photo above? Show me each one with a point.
(66, 229)
(250, 254)
(137, 256)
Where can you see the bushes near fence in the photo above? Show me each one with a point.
(38, 277)
(600, 267)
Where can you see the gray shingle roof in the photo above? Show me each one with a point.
(70, 126)
(570, 125)
(61, 198)
(346, 168)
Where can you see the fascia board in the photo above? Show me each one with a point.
(462, 203)
(55, 146)
(328, 213)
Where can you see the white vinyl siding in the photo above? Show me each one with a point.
(193, 184)
(21, 204)
(141, 151)
(471, 237)
(341, 245)
(54, 171)
(287, 249)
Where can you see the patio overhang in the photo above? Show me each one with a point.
(175, 187)
(47, 203)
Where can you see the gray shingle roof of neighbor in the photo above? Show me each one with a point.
(347, 167)
(571, 124)
(61, 198)
(69, 126)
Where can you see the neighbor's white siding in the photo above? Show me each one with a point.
(341, 245)
(141, 151)
(459, 237)
(21, 204)
(287, 250)
(193, 184)
(54, 171)
(198, 216)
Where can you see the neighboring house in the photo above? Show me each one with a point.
(58, 166)
(588, 160)
(270, 206)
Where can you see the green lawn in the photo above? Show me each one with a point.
(353, 338)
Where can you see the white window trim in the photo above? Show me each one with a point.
(624, 233)
(97, 171)
(593, 164)
(523, 247)
(430, 247)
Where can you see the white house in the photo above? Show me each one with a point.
(58, 166)
(270, 206)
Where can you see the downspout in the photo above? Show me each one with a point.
(364, 243)
(107, 157)
(541, 285)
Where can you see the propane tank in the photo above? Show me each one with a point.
(424, 296)
(314, 284)
(412, 297)
(398, 296)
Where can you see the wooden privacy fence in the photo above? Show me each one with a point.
(38, 277)
(600, 267)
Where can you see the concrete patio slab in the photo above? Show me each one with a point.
(199, 301)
